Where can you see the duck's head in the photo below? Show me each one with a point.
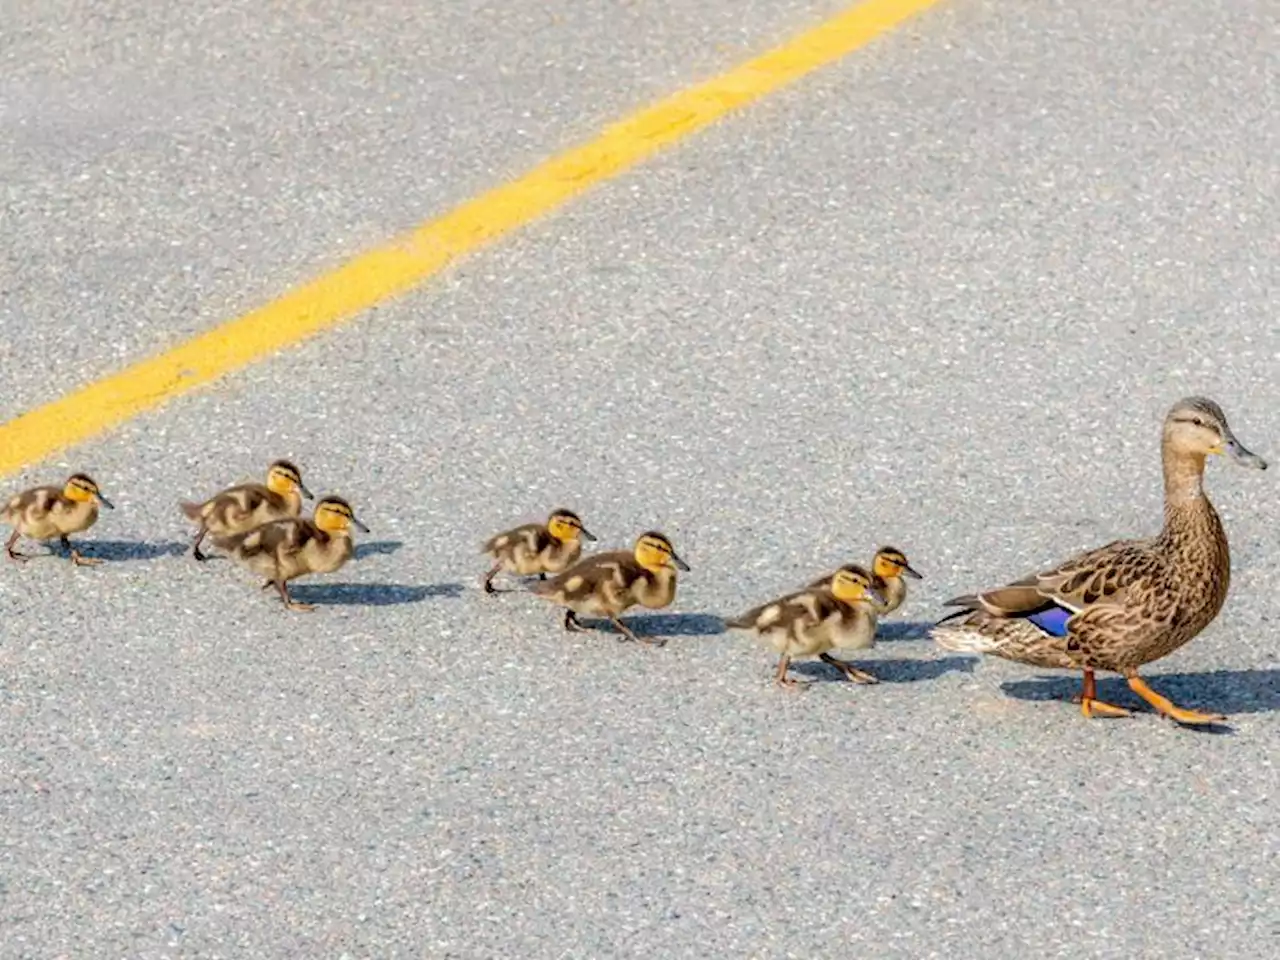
(1196, 426)
(890, 563)
(284, 478)
(334, 515)
(655, 552)
(81, 488)
(851, 583)
(565, 525)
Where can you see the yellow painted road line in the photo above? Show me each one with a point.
(402, 264)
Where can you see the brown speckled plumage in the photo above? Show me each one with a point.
(1130, 602)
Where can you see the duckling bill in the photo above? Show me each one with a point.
(608, 584)
(284, 550)
(840, 614)
(1130, 602)
(246, 506)
(540, 548)
(46, 513)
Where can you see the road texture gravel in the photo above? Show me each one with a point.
(939, 296)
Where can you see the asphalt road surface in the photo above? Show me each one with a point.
(938, 295)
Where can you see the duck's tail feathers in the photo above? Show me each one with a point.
(962, 639)
(194, 511)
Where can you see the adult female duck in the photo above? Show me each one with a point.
(1128, 603)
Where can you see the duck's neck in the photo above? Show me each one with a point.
(1188, 514)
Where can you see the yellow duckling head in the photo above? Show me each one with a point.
(334, 515)
(1197, 427)
(284, 478)
(852, 584)
(82, 489)
(566, 526)
(890, 563)
(654, 552)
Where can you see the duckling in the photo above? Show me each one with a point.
(887, 569)
(539, 548)
(818, 619)
(607, 584)
(241, 508)
(283, 550)
(43, 513)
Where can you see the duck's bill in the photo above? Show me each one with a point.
(912, 572)
(588, 535)
(680, 564)
(305, 492)
(877, 596)
(1246, 458)
(360, 526)
(105, 502)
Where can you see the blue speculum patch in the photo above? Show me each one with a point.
(1052, 621)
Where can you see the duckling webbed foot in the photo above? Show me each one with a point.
(851, 673)
(571, 622)
(1090, 705)
(291, 604)
(628, 634)
(13, 554)
(78, 558)
(1166, 707)
(788, 683)
(196, 552)
(487, 583)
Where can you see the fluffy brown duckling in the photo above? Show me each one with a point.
(539, 548)
(607, 584)
(284, 550)
(46, 513)
(818, 619)
(245, 506)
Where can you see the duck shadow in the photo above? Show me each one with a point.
(1221, 691)
(371, 594)
(902, 630)
(894, 670)
(116, 551)
(377, 548)
(664, 624)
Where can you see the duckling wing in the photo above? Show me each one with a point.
(276, 540)
(31, 504)
(613, 572)
(533, 537)
(794, 610)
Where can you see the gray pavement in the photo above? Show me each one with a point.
(939, 295)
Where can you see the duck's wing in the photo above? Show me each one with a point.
(279, 538)
(1095, 579)
(29, 504)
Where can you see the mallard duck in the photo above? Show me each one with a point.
(283, 550)
(608, 584)
(539, 548)
(811, 622)
(887, 570)
(1130, 602)
(43, 513)
(241, 508)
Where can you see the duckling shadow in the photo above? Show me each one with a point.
(371, 594)
(895, 670)
(115, 551)
(376, 548)
(1223, 691)
(902, 630)
(666, 624)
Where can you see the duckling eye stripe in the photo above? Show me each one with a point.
(406, 262)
